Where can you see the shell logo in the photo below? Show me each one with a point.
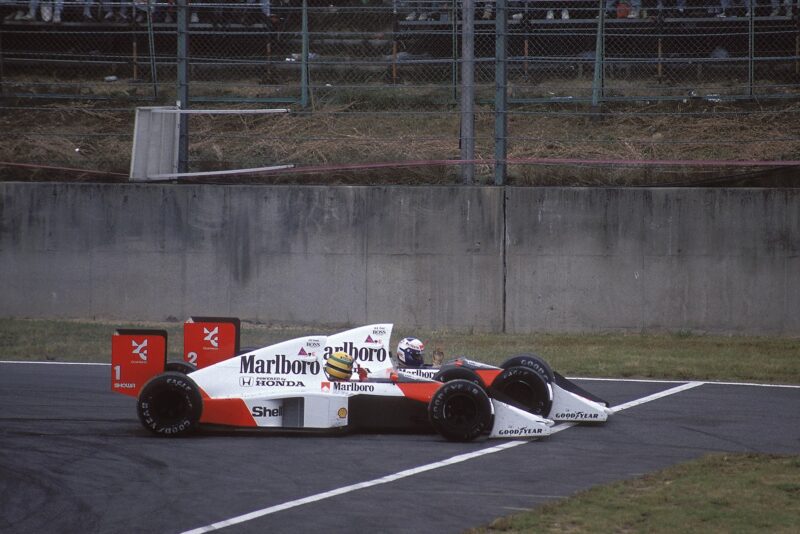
(342, 413)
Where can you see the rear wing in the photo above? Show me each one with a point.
(136, 356)
(209, 340)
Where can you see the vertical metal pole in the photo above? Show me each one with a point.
(151, 38)
(468, 91)
(135, 51)
(525, 53)
(183, 85)
(394, 60)
(797, 55)
(304, 57)
(454, 47)
(599, 55)
(751, 50)
(2, 85)
(660, 69)
(500, 93)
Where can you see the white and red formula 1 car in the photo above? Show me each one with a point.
(284, 386)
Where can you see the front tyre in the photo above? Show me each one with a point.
(531, 361)
(170, 404)
(460, 410)
(525, 387)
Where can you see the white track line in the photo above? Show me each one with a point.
(655, 396)
(417, 470)
(642, 380)
(709, 382)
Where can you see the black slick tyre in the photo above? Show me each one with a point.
(531, 361)
(180, 367)
(525, 388)
(170, 404)
(460, 410)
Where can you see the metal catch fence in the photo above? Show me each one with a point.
(380, 80)
(290, 51)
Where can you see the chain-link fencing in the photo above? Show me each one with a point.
(372, 81)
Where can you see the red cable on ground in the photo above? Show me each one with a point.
(53, 168)
(436, 162)
(658, 162)
(538, 161)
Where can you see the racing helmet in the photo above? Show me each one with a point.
(339, 366)
(410, 352)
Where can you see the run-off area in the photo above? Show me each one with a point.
(74, 457)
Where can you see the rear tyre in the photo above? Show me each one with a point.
(180, 367)
(458, 373)
(532, 361)
(525, 388)
(170, 404)
(460, 410)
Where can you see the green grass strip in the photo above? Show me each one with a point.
(660, 356)
(716, 493)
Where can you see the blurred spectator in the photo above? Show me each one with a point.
(488, 9)
(50, 11)
(633, 12)
(550, 8)
(108, 10)
(140, 9)
(678, 11)
(775, 7)
(266, 8)
(12, 10)
(418, 9)
(7, 10)
(31, 14)
(168, 15)
(751, 6)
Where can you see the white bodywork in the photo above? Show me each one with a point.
(284, 385)
(568, 406)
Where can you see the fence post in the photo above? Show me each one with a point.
(751, 50)
(152, 43)
(2, 85)
(500, 93)
(454, 48)
(183, 85)
(304, 57)
(468, 91)
(599, 56)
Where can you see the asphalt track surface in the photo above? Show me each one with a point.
(74, 458)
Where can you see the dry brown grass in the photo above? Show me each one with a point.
(356, 128)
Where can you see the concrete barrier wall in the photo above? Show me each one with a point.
(719, 260)
(291, 255)
(572, 259)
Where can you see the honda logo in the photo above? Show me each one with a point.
(246, 381)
